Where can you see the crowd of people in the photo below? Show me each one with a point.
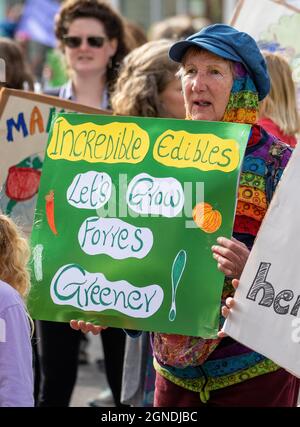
(214, 73)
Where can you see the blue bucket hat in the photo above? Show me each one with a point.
(229, 43)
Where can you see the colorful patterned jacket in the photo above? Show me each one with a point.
(208, 364)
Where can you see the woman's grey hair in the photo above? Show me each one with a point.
(196, 51)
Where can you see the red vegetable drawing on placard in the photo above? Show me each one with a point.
(22, 183)
(50, 211)
(18, 194)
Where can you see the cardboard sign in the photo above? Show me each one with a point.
(114, 240)
(276, 27)
(266, 317)
(25, 120)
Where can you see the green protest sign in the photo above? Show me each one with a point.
(127, 212)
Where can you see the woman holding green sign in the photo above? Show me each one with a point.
(224, 76)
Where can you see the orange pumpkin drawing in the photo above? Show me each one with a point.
(206, 218)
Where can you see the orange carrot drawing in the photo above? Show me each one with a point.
(50, 211)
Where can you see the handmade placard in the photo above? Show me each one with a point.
(275, 25)
(25, 120)
(127, 212)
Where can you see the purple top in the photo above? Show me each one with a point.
(16, 373)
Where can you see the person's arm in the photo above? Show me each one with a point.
(227, 308)
(16, 371)
(85, 327)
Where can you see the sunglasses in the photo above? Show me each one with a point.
(75, 41)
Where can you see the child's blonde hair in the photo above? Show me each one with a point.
(14, 256)
(280, 105)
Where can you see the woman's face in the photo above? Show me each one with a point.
(207, 81)
(86, 59)
(172, 99)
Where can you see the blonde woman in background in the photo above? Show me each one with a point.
(16, 372)
(147, 85)
(278, 111)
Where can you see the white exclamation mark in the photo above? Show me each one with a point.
(37, 262)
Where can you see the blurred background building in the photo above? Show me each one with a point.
(145, 12)
(31, 23)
